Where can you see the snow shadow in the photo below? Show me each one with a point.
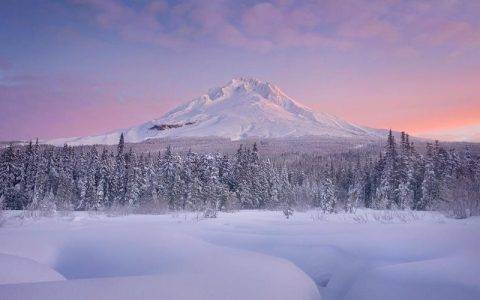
(113, 254)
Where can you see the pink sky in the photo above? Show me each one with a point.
(85, 67)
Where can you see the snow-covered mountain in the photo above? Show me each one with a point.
(243, 108)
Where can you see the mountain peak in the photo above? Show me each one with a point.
(247, 85)
(242, 108)
(246, 81)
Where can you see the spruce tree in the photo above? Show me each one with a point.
(430, 185)
(10, 178)
(327, 196)
(132, 180)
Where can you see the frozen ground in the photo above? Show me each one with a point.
(243, 255)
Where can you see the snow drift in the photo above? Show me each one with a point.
(244, 255)
(137, 258)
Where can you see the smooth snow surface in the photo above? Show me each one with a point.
(242, 255)
(243, 108)
(14, 269)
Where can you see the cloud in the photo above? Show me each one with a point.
(263, 19)
(370, 28)
(259, 27)
(136, 25)
(287, 26)
(459, 35)
(268, 25)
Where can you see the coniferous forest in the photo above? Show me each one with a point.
(46, 178)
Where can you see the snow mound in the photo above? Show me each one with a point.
(243, 108)
(14, 269)
(171, 286)
(451, 277)
(249, 255)
(122, 258)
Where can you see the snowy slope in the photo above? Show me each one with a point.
(243, 255)
(137, 258)
(244, 108)
(17, 269)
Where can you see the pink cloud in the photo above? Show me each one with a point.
(263, 26)
(134, 25)
(266, 26)
(460, 34)
(370, 28)
(263, 19)
(231, 36)
(304, 18)
(391, 26)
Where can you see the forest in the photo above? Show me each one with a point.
(48, 179)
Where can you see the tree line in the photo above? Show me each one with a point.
(400, 177)
(47, 178)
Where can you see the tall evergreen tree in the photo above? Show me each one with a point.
(327, 196)
(132, 180)
(10, 178)
(387, 195)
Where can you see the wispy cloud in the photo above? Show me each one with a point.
(134, 24)
(264, 26)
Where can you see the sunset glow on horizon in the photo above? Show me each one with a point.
(84, 67)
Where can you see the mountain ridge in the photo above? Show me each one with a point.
(243, 108)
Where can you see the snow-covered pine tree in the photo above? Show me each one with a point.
(171, 182)
(272, 184)
(144, 181)
(355, 191)
(81, 179)
(387, 191)
(418, 169)
(225, 172)
(243, 179)
(405, 174)
(466, 190)
(92, 201)
(430, 184)
(132, 180)
(54, 166)
(211, 186)
(121, 145)
(189, 174)
(258, 179)
(40, 188)
(368, 183)
(10, 178)
(46, 205)
(328, 199)
(287, 209)
(104, 180)
(117, 190)
(66, 184)
(28, 173)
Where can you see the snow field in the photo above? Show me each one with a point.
(247, 254)
(139, 257)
